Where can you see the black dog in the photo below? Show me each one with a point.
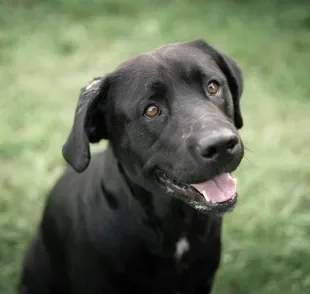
(145, 215)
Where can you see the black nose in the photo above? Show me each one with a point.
(218, 144)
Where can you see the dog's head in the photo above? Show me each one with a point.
(171, 117)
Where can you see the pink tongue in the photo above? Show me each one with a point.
(219, 189)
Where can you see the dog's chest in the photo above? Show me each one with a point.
(182, 250)
(184, 234)
(176, 256)
(174, 266)
(182, 244)
(175, 248)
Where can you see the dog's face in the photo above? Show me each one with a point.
(171, 116)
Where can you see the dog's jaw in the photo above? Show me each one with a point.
(195, 195)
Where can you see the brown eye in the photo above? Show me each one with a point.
(152, 111)
(213, 87)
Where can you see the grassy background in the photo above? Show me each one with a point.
(49, 49)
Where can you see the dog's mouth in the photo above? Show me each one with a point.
(217, 195)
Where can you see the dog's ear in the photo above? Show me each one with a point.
(233, 74)
(88, 126)
(235, 81)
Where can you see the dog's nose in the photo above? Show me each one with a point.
(218, 144)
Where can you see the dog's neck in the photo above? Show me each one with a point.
(162, 211)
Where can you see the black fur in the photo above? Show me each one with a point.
(108, 225)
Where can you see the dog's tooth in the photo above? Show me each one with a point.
(206, 196)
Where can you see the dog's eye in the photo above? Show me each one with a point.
(152, 111)
(213, 87)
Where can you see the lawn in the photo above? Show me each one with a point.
(50, 49)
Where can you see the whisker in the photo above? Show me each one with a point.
(248, 149)
(248, 159)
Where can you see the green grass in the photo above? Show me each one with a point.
(49, 50)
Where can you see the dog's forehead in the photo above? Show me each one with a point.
(183, 55)
(138, 68)
(172, 57)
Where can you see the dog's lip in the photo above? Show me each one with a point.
(191, 195)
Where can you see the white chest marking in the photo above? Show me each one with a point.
(182, 246)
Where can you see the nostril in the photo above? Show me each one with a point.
(210, 152)
(232, 143)
(218, 145)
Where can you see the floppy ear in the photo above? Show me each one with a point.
(235, 81)
(88, 126)
(233, 74)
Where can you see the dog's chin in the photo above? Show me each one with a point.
(206, 197)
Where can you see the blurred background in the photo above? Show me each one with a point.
(50, 49)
